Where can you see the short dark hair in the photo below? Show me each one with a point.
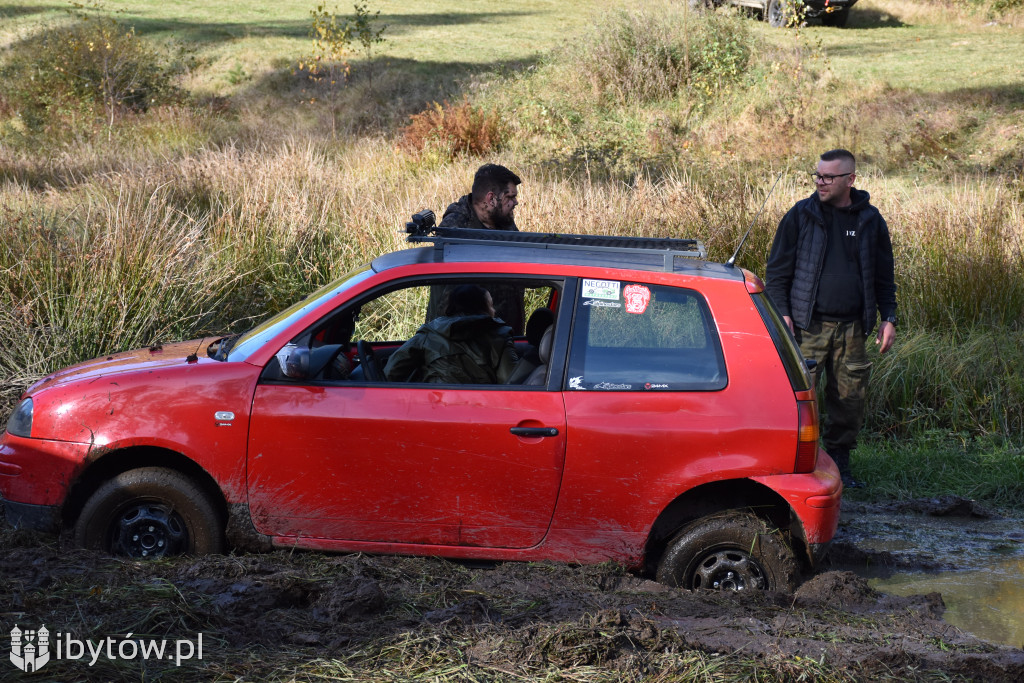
(834, 154)
(467, 300)
(492, 178)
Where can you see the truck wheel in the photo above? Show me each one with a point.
(780, 13)
(730, 551)
(150, 512)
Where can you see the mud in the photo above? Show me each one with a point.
(306, 616)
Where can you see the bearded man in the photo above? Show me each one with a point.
(491, 203)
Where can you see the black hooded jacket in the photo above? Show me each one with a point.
(795, 263)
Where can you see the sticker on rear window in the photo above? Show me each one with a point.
(637, 297)
(601, 289)
(612, 386)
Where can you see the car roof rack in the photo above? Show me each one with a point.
(650, 251)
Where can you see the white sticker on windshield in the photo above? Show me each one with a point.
(601, 289)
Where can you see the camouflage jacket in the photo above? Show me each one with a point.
(508, 299)
(474, 349)
(460, 214)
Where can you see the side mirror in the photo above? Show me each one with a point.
(810, 363)
(294, 361)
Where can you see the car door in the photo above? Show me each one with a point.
(396, 462)
(644, 401)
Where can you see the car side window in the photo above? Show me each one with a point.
(355, 343)
(631, 336)
(394, 316)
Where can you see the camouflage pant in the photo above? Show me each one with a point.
(841, 355)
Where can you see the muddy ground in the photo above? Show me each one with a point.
(309, 616)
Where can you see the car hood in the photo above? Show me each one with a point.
(150, 358)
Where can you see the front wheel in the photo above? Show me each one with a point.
(733, 551)
(781, 13)
(150, 512)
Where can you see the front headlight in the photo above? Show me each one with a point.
(20, 422)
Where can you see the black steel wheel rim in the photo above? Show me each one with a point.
(728, 569)
(149, 530)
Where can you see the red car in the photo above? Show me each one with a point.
(665, 421)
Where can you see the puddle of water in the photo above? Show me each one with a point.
(984, 595)
(987, 602)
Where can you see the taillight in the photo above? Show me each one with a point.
(807, 436)
(755, 285)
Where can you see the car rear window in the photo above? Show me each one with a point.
(631, 336)
(785, 344)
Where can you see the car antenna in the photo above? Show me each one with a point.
(731, 263)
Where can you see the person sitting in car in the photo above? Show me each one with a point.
(467, 345)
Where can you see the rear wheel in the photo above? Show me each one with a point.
(733, 551)
(150, 512)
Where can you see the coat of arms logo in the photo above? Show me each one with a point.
(30, 650)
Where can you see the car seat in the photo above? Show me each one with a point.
(540, 373)
(540, 320)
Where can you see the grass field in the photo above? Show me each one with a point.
(258, 37)
(252, 186)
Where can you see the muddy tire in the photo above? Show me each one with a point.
(150, 512)
(731, 551)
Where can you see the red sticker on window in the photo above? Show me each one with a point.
(637, 297)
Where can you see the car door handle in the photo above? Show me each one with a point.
(534, 431)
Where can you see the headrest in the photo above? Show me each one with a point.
(540, 320)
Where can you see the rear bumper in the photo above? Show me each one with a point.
(814, 499)
(815, 8)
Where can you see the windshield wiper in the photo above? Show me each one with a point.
(219, 349)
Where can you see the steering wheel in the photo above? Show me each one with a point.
(338, 367)
(368, 362)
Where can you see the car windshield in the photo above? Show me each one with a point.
(255, 338)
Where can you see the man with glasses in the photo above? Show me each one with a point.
(830, 272)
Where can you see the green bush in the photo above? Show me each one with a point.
(994, 7)
(656, 53)
(999, 6)
(66, 78)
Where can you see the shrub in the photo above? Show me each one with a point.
(654, 54)
(994, 8)
(327, 66)
(455, 129)
(66, 77)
